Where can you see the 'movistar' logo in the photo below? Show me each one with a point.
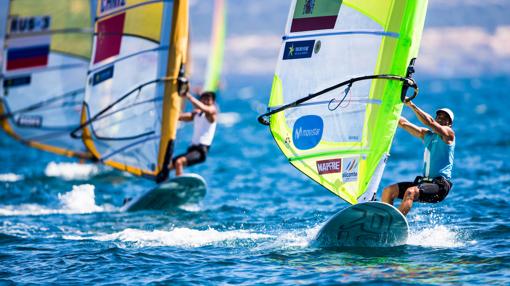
(307, 132)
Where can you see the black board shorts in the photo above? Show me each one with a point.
(431, 190)
(194, 155)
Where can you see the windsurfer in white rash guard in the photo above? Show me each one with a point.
(204, 118)
(434, 185)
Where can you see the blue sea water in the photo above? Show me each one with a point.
(60, 222)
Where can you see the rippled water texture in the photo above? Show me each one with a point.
(60, 221)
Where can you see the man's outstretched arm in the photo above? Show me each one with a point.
(414, 130)
(187, 116)
(207, 109)
(445, 132)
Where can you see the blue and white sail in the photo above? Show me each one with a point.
(46, 51)
(131, 104)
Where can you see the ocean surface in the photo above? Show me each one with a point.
(60, 222)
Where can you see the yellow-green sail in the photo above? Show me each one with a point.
(215, 61)
(341, 137)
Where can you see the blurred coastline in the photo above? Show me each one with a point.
(461, 39)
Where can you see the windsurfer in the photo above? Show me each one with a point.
(204, 117)
(434, 185)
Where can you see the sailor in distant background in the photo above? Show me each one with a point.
(434, 185)
(204, 117)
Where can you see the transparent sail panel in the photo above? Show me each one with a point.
(45, 61)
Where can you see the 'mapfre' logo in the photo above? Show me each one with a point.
(329, 166)
(298, 50)
(350, 170)
(307, 132)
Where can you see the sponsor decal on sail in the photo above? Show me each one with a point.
(34, 121)
(17, 81)
(312, 15)
(350, 170)
(307, 132)
(329, 166)
(298, 50)
(102, 75)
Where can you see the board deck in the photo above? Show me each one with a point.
(370, 224)
(185, 189)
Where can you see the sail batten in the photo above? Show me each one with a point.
(330, 153)
(343, 33)
(120, 59)
(340, 136)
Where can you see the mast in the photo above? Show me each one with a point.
(176, 66)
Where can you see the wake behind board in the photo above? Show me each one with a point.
(370, 224)
(185, 189)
